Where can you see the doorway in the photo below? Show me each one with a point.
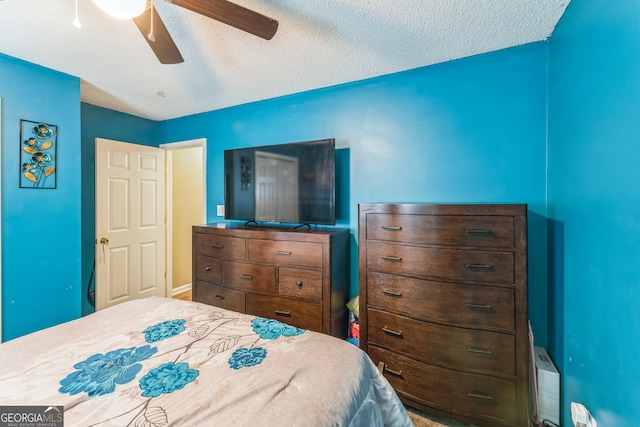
(186, 206)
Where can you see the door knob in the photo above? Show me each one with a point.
(104, 240)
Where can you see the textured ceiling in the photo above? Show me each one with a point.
(319, 43)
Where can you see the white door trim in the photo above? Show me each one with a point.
(200, 142)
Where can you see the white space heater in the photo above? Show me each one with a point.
(548, 387)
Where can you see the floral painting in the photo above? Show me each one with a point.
(38, 146)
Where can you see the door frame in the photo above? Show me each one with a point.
(200, 142)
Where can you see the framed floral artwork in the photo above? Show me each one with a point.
(38, 149)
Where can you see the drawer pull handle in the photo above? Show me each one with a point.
(217, 246)
(480, 396)
(392, 332)
(299, 284)
(207, 268)
(392, 372)
(478, 231)
(479, 266)
(392, 294)
(391, 228)
(246, 277)
(285, 253)
(391, 258)
(283, 313)
(480, 306)
(479, 350)
(219, 297)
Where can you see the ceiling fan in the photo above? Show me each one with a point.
(157, 36)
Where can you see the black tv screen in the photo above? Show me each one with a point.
(282, 183)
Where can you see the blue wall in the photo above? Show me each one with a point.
(472, 130)
(40, 227)
(107, 124)
(594, 183)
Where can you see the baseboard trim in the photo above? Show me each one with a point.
(181, 289)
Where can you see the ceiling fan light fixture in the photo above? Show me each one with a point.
(122, 9)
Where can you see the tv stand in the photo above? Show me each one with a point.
(275, 225)
(297, 276)
(297, 227)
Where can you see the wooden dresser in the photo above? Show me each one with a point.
(299, 277)
(443, 307)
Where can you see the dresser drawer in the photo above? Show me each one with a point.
(459, 392)
(302, 314)
(463, 305)
(448, 264)
(208, 268)
(452, 230)
(220, 246)
(300, 283)
(303, 254)
(219, 296)
(468, 349)
(249, 277)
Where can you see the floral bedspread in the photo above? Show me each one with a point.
(161, 361)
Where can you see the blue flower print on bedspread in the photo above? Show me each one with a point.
(272, 329)
(245, 357)
(167, 378)
(164, 330)
(99, 374)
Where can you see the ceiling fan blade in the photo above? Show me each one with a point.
(159, 39)
(232, 14)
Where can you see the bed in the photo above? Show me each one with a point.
(162, 361)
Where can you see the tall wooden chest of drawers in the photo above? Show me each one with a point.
(443, 306)
(299, 277)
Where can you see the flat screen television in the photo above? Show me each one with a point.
(292, 183)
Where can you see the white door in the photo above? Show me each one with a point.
(130, 222)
